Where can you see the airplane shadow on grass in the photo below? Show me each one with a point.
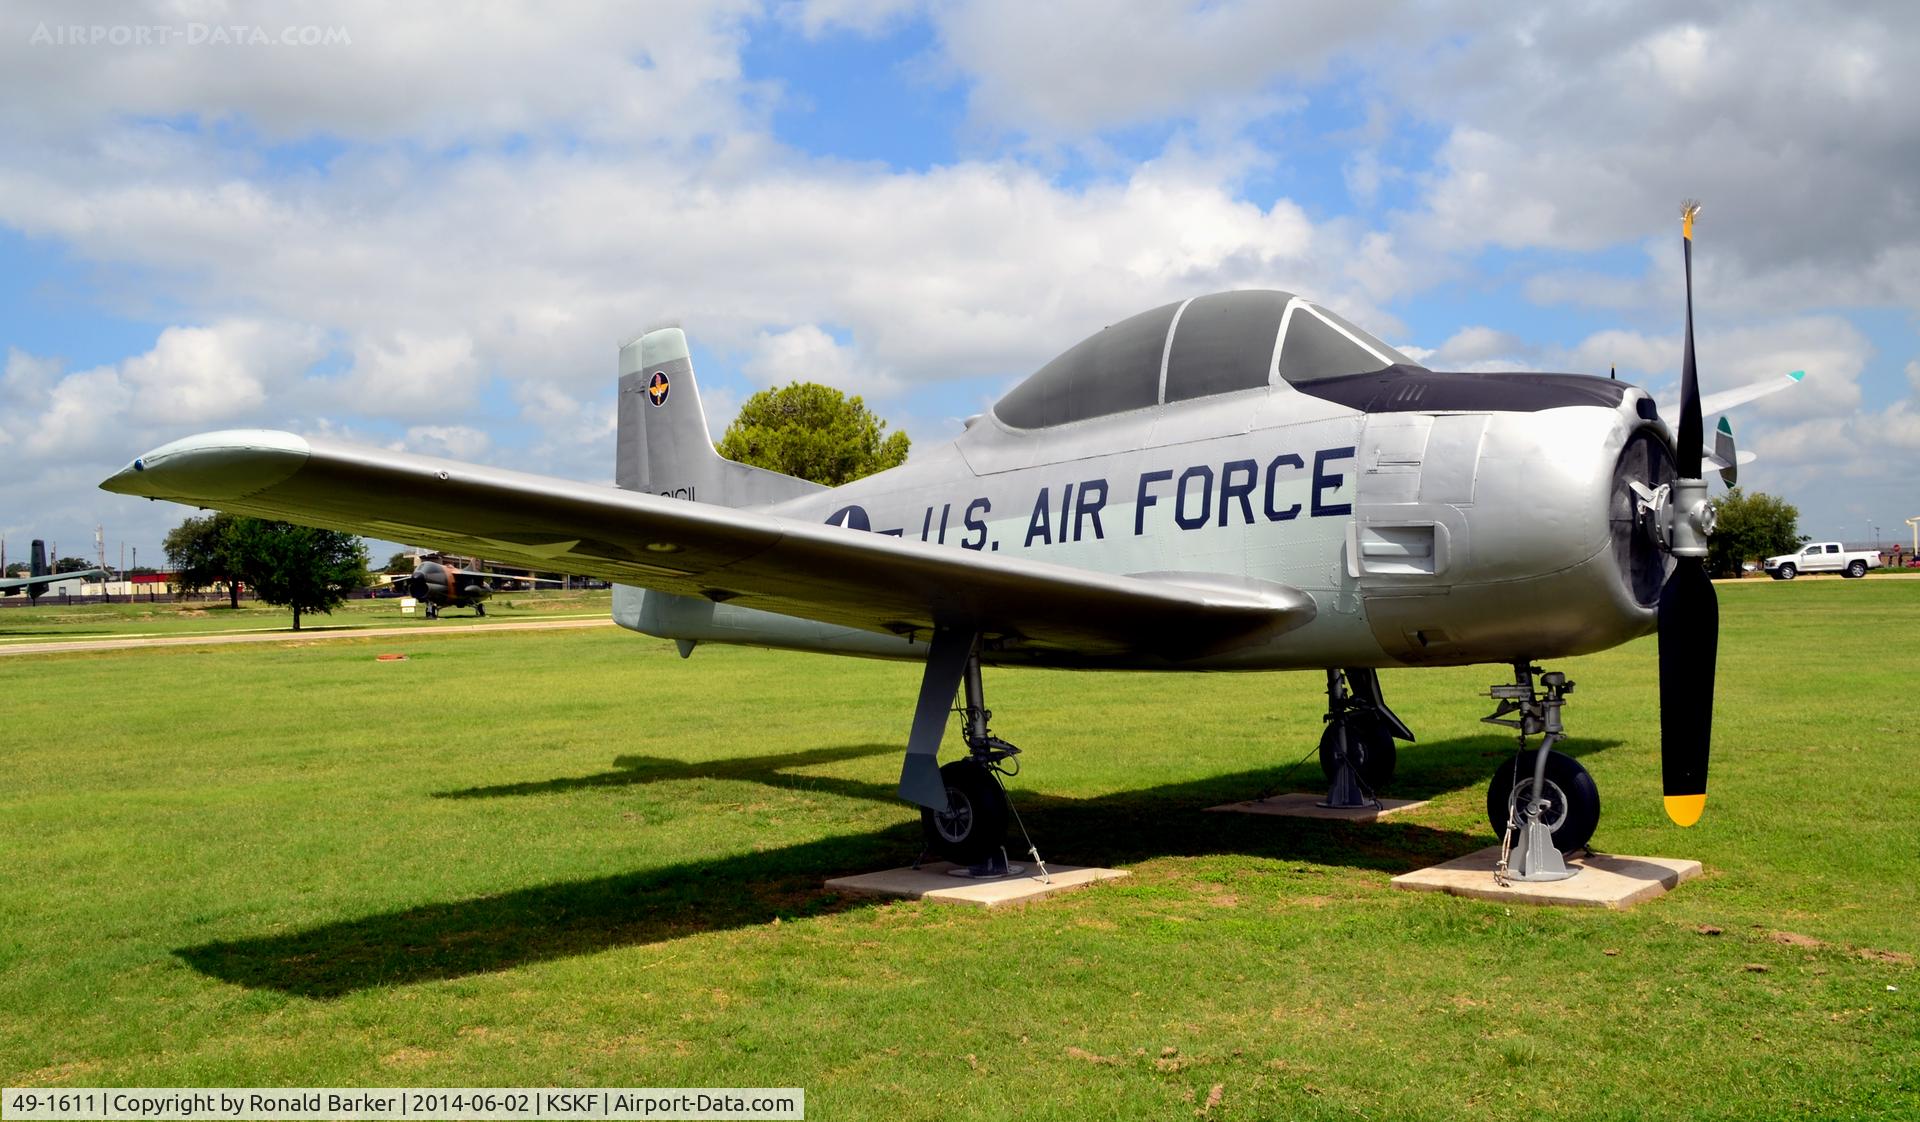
(500, 932)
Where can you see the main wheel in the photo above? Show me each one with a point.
(1788, 572)
(1371, 745)
(1856, 569)
(480, 610)
(976, 819)
(1573, 799)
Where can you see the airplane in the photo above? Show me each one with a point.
(439, 586)
(38, 578)
(1237, 481)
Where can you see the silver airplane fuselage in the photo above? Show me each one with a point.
(1424, 534)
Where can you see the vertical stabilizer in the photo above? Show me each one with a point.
(37, 567)
(663, 443)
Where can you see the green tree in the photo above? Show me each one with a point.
(814, 432)
(399, 564)
(201, 554)
(72, 565)
(1750, 527)
(298, 567)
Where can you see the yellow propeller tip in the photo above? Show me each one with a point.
(1685, 809)
(1688, 210)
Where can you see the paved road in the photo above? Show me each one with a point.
(216, 638)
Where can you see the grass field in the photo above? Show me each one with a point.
(573, 859)
(49, 620)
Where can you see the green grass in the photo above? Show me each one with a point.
(571, 858)
(53, 621)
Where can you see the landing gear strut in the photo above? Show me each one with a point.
(1357, 752)
(1547, 805)
(964, 811)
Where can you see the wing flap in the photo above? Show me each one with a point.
(836, 575)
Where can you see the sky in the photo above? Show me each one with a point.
(429, 227)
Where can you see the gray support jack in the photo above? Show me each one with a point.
(1346, 791)
(1535, 858)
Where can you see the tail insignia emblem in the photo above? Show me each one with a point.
(657, 388)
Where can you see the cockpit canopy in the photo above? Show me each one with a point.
(1197, 348)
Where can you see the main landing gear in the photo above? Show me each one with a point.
(1542, 804)
(1357, 753)
(964, 811)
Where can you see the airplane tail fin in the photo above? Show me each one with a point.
(37, 567)
(663, 444)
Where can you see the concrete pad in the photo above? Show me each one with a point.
(1606, 880)
(1303, 804)
(931, 882)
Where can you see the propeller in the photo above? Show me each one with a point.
(1688, 615)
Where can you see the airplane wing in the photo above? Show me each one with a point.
(15, 584)
(837, 575)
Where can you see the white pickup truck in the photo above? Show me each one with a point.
(1823, 557)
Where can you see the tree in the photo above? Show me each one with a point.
(72, 565)
(298, 567)
(814, 432)
(201, 552)
(1749, 527)
(399, 564)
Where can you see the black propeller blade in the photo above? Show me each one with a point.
(1689, 614)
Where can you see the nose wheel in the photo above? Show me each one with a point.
(1541, 803)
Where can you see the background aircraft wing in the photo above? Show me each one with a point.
(15, 584)
(871, 581)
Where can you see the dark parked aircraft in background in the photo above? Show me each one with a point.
(442, 586)
(38, 578)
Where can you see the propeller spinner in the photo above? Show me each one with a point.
(1689, 614)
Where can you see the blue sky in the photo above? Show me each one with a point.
(433, 232)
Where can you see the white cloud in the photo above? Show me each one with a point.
(1073, 67)
(808, 354)
(406, 374)
(193, 377)
(204, 375)
(458, 442)
(1479, 344)
(411, 73)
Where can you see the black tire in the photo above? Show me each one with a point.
(1787, 572)
(1371, 744)
(977, 823)
(1856, 569)
(480, 610)
(1573, 799)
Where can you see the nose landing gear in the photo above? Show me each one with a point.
(1547, 805)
